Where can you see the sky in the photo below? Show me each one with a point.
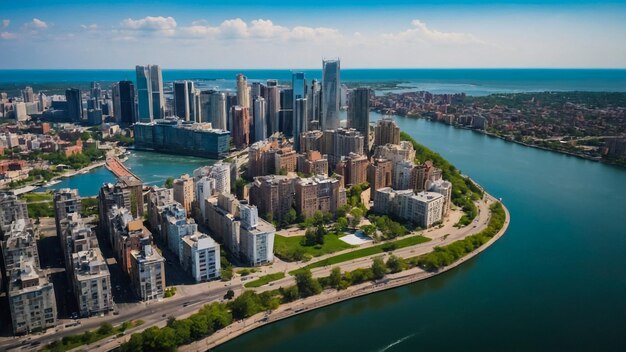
(43, 34)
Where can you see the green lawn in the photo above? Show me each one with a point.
(359, 253)
(264, 280)
(37, 197)
(291, 248)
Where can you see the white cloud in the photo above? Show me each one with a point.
(38, 24)
(6, 23)
(259, 29)
(7, 35)
(421, 33)
(92, 26)
(158, 25)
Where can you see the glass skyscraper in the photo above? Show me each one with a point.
(330, 94)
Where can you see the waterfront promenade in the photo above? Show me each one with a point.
(115, 165)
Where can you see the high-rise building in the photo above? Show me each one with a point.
(127, 114)
(74, 104)
(241, 126)
(314, 103)
(386, 132)
(95, 92)
(330, 94)
(144, 94)
(28, 95)
(273, 107)
(353, 168)
(285, 115)
(359, 114)
(273, 195)
(298, 87)
(201, 257)
(379, 175)
(66, 201)
(31, 299)
(11, 209)
(318, 193)
(259, 117)
(147, 272)
(301, 120)
(158, 100)
(184, 100)
(183, 192)
(213, 109)
(243, 93)
(91, 283)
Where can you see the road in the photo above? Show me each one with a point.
(150, 313)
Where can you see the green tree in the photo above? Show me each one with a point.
(85, 136)
(378, 269)
(342, 224)
(357, 215)
(395, 264)
(169, 182)
(135, 344)
(246, 305)
(307, 285)
(289, 294)
(105, 329)
(334, 280)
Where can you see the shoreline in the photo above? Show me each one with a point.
(581, 156)
(333, 296)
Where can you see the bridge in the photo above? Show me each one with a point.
(118, 169)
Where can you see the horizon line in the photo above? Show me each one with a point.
(319, 68)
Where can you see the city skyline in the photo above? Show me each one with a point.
(460, 34)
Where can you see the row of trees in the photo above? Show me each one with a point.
(444, 256)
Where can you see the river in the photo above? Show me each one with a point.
(556, 281)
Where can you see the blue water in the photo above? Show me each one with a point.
(152, 168)
(471, 81)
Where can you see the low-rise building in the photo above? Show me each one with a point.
(423, 209)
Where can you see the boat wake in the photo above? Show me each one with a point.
(397, 342)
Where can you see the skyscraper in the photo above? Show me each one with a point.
(300, 113)
(158, 101)
(314, 105)
(144, 94)
(330, 94)
(298, 86)
(285, 116)
(359, 113)
(259, 117)
(243, 94)
(184, 100)
(28, 95)
(74, 104)
(273, 106)
(213, 108)
(127, 103)
(241, 126)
